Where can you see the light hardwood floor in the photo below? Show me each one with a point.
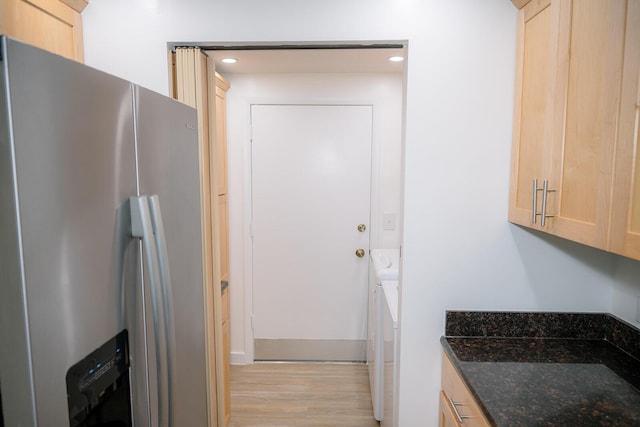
(301, 394)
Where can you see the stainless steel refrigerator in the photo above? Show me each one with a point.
(101, 291)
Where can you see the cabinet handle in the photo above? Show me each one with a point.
(545, 190)
(453, 404)
(534, 209)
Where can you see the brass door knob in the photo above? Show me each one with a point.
(360, 253)
(361, 228)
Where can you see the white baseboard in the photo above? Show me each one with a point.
(310, 350)
(240, 358)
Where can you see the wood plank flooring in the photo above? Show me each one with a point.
(300, 394)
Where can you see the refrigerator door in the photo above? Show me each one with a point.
(67, 169)
(167, 147)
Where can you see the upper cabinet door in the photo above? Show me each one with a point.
(222, 86)
(568, 90)
(535, 78)
(590, 58)
(52, 25)
(625, 221)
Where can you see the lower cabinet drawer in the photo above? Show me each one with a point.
(457, 406)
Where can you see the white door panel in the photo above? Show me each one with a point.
(311, 180)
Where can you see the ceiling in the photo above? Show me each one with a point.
(309, 60)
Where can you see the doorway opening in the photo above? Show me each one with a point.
(314, 75)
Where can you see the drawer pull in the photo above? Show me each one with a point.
(534, 209)
(454, 406)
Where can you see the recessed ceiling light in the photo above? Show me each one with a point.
(229, 60)
(396, 58)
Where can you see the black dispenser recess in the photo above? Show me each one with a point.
(98, 390)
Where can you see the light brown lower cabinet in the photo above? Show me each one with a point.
(457, 405)
(447, 417)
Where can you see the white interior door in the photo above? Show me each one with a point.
(311, 185)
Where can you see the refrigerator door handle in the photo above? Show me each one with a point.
(166, 294)
(142, 227)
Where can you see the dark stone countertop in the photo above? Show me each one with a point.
(548, 369)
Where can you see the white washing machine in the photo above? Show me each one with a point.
(389, 353)
(384, 267)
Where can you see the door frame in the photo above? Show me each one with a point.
(374, 207)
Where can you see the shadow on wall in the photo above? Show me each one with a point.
(625, 301)
(565, 275)
(627, 271)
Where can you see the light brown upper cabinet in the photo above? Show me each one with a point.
(192, 75)
(222, 86)
(220, 166)
(195, 83)
(570, 58)
(535, 70)
(625, 229)
(53, 25)
(519, 3)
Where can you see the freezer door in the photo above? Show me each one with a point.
(167, 149)
(67, 169)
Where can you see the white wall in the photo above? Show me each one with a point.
(459, 251)
(383, 91)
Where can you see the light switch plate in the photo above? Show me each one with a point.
(388, 221)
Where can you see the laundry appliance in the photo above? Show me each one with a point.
(384, 267)
(389, 340)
